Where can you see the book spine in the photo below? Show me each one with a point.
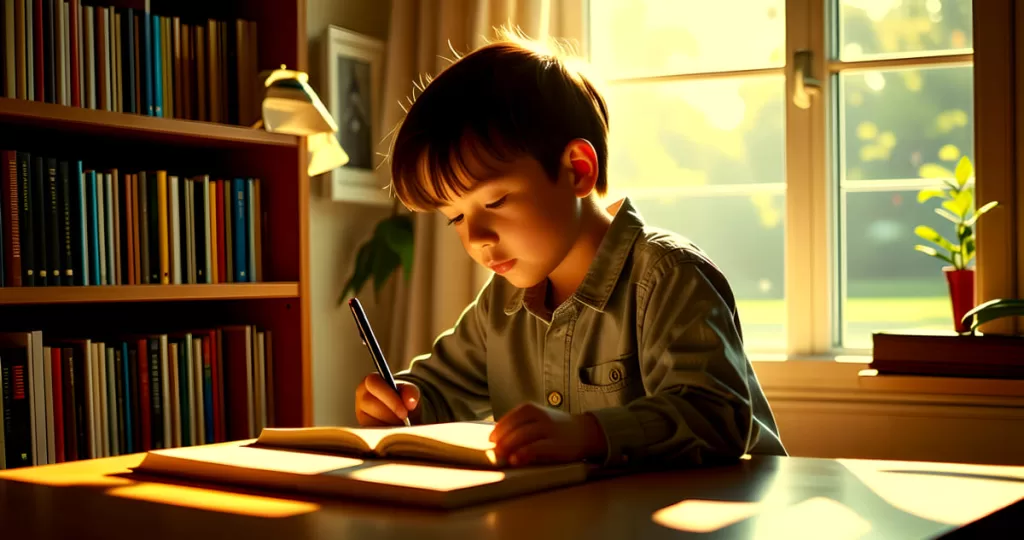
(75, 60)
(127, 394)
(156, 400)
(28, 262)
(229, 253)
(11, 219)
(143, 202)
(82, 227)
(70, 404)
(200, 208)
(153, 209)
(55, 231)
(175, 229)
(94, 231)
(66, 223)
(38, 52)
(40, 217)
(250, 228)
(17, 403)
(146, 43)
(165, 257)
(128, 56)
(89, 51)
(56, 391)
(9, 47)
(47, 32)
(240, 241)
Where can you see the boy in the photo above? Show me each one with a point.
(598, 338)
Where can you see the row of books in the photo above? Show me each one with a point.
(62, 224)
(129, 60)
(67, 399)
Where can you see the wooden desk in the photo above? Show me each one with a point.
(760, 497)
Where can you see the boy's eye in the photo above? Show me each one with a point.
(498, 202)
(455, 220)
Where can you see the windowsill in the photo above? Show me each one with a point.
(848, 378)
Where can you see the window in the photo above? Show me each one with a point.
(808, 205)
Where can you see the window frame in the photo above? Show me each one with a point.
(812, 217)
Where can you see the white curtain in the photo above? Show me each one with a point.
(444, 278)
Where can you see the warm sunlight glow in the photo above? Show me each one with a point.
(75, 473)
(426, 477)
(954, 494)
(214, 501)
(700, 516)
(249, 457)
(815, 518)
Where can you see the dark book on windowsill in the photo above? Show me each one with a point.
(949, 354)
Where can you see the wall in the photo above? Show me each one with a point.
(335, 232)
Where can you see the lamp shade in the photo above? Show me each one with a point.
(291, 106)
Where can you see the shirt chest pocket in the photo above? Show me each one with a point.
(610, 384)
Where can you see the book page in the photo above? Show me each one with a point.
(468, 435)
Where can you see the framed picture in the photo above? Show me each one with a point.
(354, 67)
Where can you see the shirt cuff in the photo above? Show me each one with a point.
(619, 425)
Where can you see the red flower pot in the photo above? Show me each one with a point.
(961, 293)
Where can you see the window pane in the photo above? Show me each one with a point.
(890, 286)
(907, 123)
(743, 235)
(630, 38)
(873, 28)
(696, 133)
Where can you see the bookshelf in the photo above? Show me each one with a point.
(279, 301)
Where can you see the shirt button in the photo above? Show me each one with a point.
(555, 399)
(615, 375)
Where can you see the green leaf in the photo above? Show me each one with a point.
(398, 234)
(929, 193)
(360, 273)
(964, 171)
(928, 250)
(931, 235)
(384, 264)
(968, 250)
(961, 204)
(964, 232)
(979, 212)
(948, 215)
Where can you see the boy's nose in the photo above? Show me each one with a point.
(480, 235)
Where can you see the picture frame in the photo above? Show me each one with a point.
(353, 65)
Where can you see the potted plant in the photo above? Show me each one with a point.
(957, 196)
(390, 246)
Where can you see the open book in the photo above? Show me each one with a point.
(457, 443)
(437, 466)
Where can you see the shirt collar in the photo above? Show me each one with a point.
(604, 271)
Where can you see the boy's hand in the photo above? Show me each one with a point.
(378, 405)
(531, 434)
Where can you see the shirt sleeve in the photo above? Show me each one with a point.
(452, 378)
(698, 404)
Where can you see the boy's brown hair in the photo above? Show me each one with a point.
(506, 100)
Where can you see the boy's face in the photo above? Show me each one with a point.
(514, 220)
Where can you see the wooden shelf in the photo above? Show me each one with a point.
(137, 127)
(146, 293)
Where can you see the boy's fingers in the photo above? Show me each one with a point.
(541, 451)
(519, 416)
(519, 438)
(379, 389)
(410, 394)
(374, 408)
(366, 420)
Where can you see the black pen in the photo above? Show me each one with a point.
(366, 334)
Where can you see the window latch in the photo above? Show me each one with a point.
(805, 84)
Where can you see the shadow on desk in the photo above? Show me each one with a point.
(769, 497)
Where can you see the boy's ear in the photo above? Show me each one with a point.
(581, 159)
